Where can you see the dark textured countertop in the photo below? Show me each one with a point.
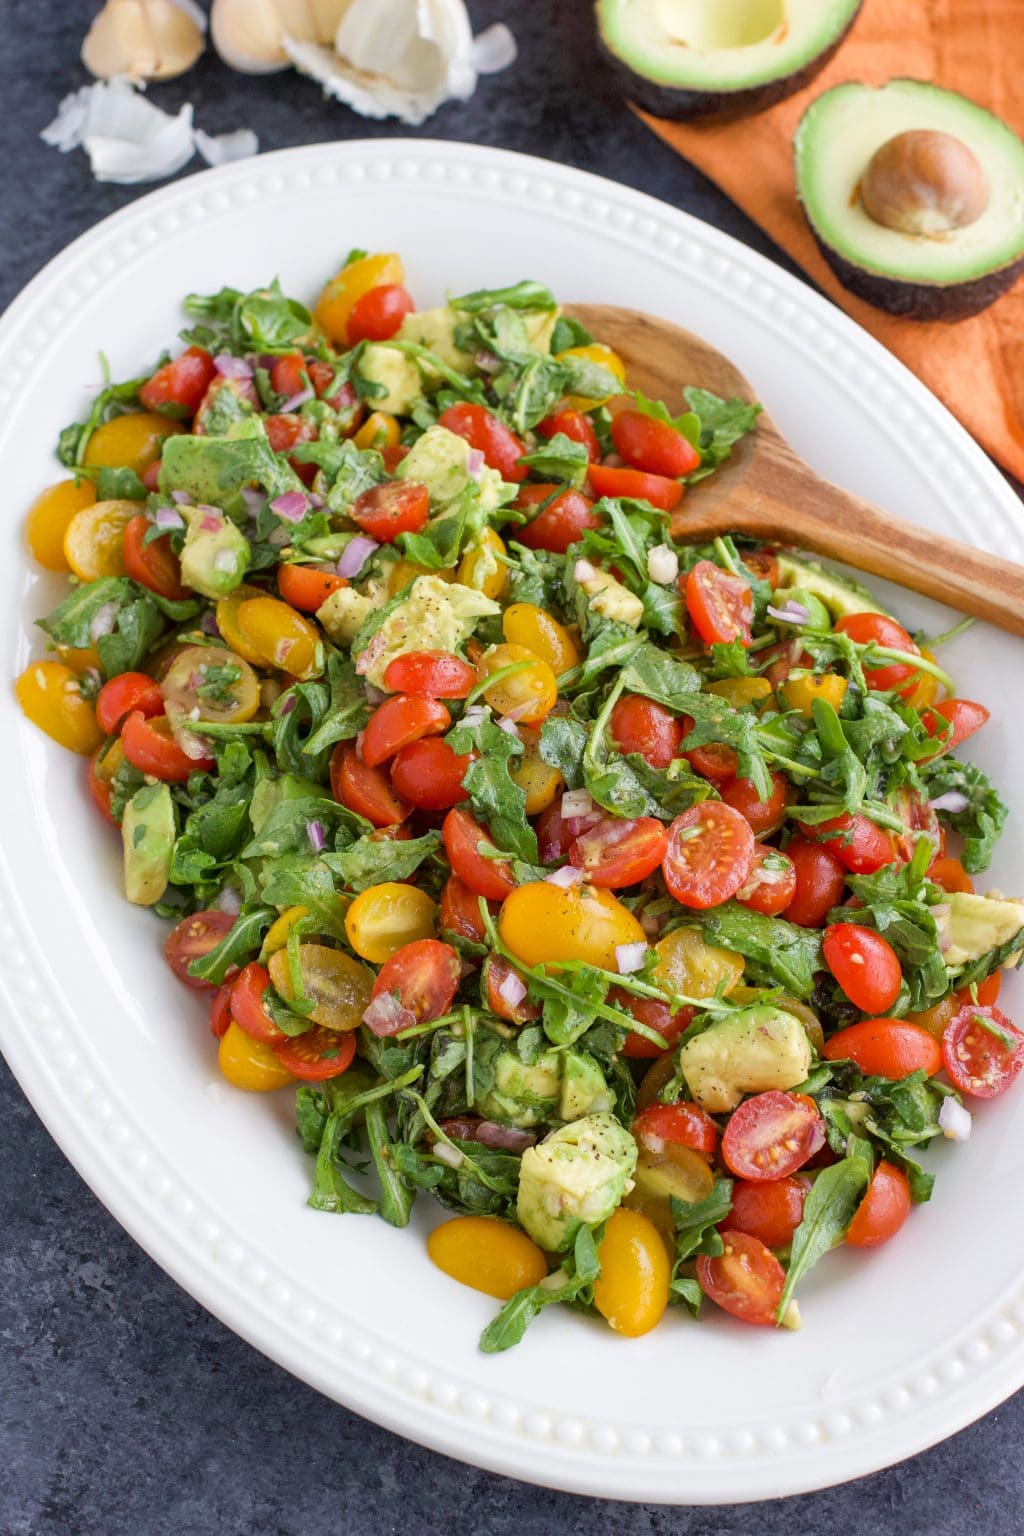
(124, 1407)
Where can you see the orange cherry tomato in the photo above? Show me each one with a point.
(710, 852)
(306, 587)
(48, 520)
(640, 725)
(950, 874)
(820, 882)
(607, 480)
(772, 1135)
(192, 939)
(377, 315)
(179, 386)
(616, 853)
(484, 875)
(720, 605)
(399, 720)
(317, 1054)
(150, 747)
(424, 976)
(562, 519)
(653, 446)
(769, 1210)
(574, 425)
(746, 1279)
(247, 1006)
(770, 885)
(877, 628)
(864, 964)
(428, 774)
(500, 446)
(763, 815)
(365, 790)
(685, 1125)
(127, 691)
(431, 674)
(883, 1209)
(982, 1051)
(890, 1048)
(397, 506)
(487, 1254)
(153, 565)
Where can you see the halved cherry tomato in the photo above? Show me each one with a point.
(288, 374)
(500, 446)
(378, 313)
(770, 1210)
(428, 774)
(150, 747)
(460, 911)
(864, 964)
(890, 1048)
(574, 425)
(430, 674)
(306, 587)
(763, 815)
(317, 1054)
(285, 432)
(615, 853)
(463, 838)
(982, 1051)
(772, 1135)
(685, 1124)
(609, 480)
(425, 974)
(127, 691)
(746, 1279)
(820, 882)
(710, 851)
(554, 837)
(963, 715)
(193, 938)
(367, 791)
(640, 725)
(99, 784)
(153, 565)
(883, 1209)
(763, 563)
(716, 763)
(951, 875)
(656, 1015)
(720, 605)
(564, 519)
(653, 446)
(179, 384)
(399, 720)
(150, 476)
(771, 882)
(343, 399)
(220, 1011)
(878, 628)
(859, 843)
(393, 454)
(247, 1007)
(503, 982)
(987, 991)
(385, 511)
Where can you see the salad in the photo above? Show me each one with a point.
(614, 890)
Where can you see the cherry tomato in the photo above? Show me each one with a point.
(746, 1279)
(285, 432)
(428, 774)
(640, 725)
(771, 882)
(859, 843)
(656, 1015)
(632, 1288)
(487, 1255)
(192, 939)
(608, 480)
(542, 924)
(883, 1209)
(574, 425)
(127, 691)
(399, 720)
(179, 384)
(150, 747)
(346, 288)
(317, 1054)
(367, 791)
(305, 587)
(460, 911)
(710, 851)
(982, 1051)
(247, 1007)
(343, 399)
(987, 990)
(685, 1124)
(890, 1048)
(220, 1011)
(653, 446)
(770, 1210)
(500, 446)
(463, 839)
(866, 628)
(865, 965)
(430, 674)
(249, 1064)
(150, 476)
(763, 563)
(720, 605)
(820, 882)
(154, 565)
(385, 511)
(616, 853)
(99, 784)
(563, 521)
(288, 375)
(963, 715)
(377, 315)
(951, 875)
(763, 815)
(425, 974)
(716, 763)
(48, 519)
(499, 976)
(772, 1135)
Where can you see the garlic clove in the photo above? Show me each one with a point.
(249, 34)
(142, 39)
(327, 18)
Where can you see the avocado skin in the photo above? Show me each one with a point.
(921, 301)
(680, 103)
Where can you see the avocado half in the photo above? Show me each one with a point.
(944, 276)
(727, 58)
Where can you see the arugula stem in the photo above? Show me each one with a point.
(951, 634)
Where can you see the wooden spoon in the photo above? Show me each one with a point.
(764, 489)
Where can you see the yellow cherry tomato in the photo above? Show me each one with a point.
(487, 1254)
(688, 965)
(926, 689)
(542, 924)
(537, 779)
(109, 759)
(526, 624)
(594, 352)
(654, 1079)
(79, 659)
(227, 623)
(280, 636)
(280, 928)
(673, 1173)
(249, 1063)
(130, 442)
(631, 1292)
(527, 695)
(48, 519)
(738, 691)
(338, 985)
(802, 688)
(222, 686)
(94, 539)
(51, 696)
(483, 567)
(334, 305)
(384, 917)
(379, 430)
(402, 572)
(937, 1017)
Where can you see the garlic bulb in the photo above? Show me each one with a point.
(249, 34)
(144, 39)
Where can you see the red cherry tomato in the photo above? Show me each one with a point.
(763, 815)
(150, 476)
(763, 563)
(820, 882)
(220, 1011)
(746, 1279)
(192, 939)
(179, 386)
(285, 432)
(615, 853)
(429, 774)
(770, 885)
(716, 763)
(500, 446)
(656, 1015)
(431, 674)
(399, 720)
(609, 480)
(890, 1048)
(385, 511)
(154, 565)
(771, 1210)
(720, 605)
(652, 445)
(877, 628)
(377, 315)
(574, 425)
(640, 725)
(563, 521)
(883, 1210)
(460, 911)
(865, 965)
(99, 789)
(127, 691)
(150, 747)
(317, 1054)
(463, 839)
(288, 375)
(987, 990)
(343, 399)
(710, 851)
(772, 1135)
(425, 974)
(554, 838)
(305, 587)
(982, 1051)
(685, 1125)
(963, 715)
(247, 1007)
(858, 843)
(503, 982)
(367, 791)
(951, 875)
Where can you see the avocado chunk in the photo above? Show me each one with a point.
(746, 1052)
(839, 594)
(435, 330)
(148, 831)
(980, 927)
(575, 1177)
(216, 555)
(584, 1090)
(397, 377)
(440, 461)
(436, 616)
(913, 194)
(726, 58)
(270, 793)
(525, 1093)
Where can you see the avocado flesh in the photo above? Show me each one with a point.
(839, 595)
(944, 278)
(694, 58)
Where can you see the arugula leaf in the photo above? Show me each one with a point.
(517, 1314)
(896, 901)
(569, 333)
(563, 741)
(776, 951)
(238, 945)
(722, 424)
(396, 1198)
(494, 795)
(370, 861)
(213, 470)
(331, 1190)
(689, 423)
(120, 484)
(112, 400)
(983, 818)
(695, 1222)
(828, 1211)
(560, 458)
(265, 320)
(659, 676)
(137, 622)
(524, 295)
(536, 577)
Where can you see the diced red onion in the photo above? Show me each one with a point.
(386, 1016)
(232, 367)
(294, 402)
(954, 801)
(253, 499)
(211, 520)
(292, 506)
(190, 744)
(512, 989)
(180, 496)
(226, 561)
(355, 555)
(315, 833)
(92, 676)
(373, 652)
(228, 900)
(566, 877)
(103, 621)
(575, 826)
(475, 462)
(167, 517)
(288, 705)
(504, 1138)
(630, 957)
(662, 565)
(507, 724)
(955, 1121)
(584, 570)
(208, 624)
(487, 362)
(360, 738)
(316, 500)
(576, 802)
(266, 360)
(450, 1155)
(792, 613)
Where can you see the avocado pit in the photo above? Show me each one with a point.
(924, 182)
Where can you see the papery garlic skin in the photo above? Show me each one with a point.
(143, 40)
